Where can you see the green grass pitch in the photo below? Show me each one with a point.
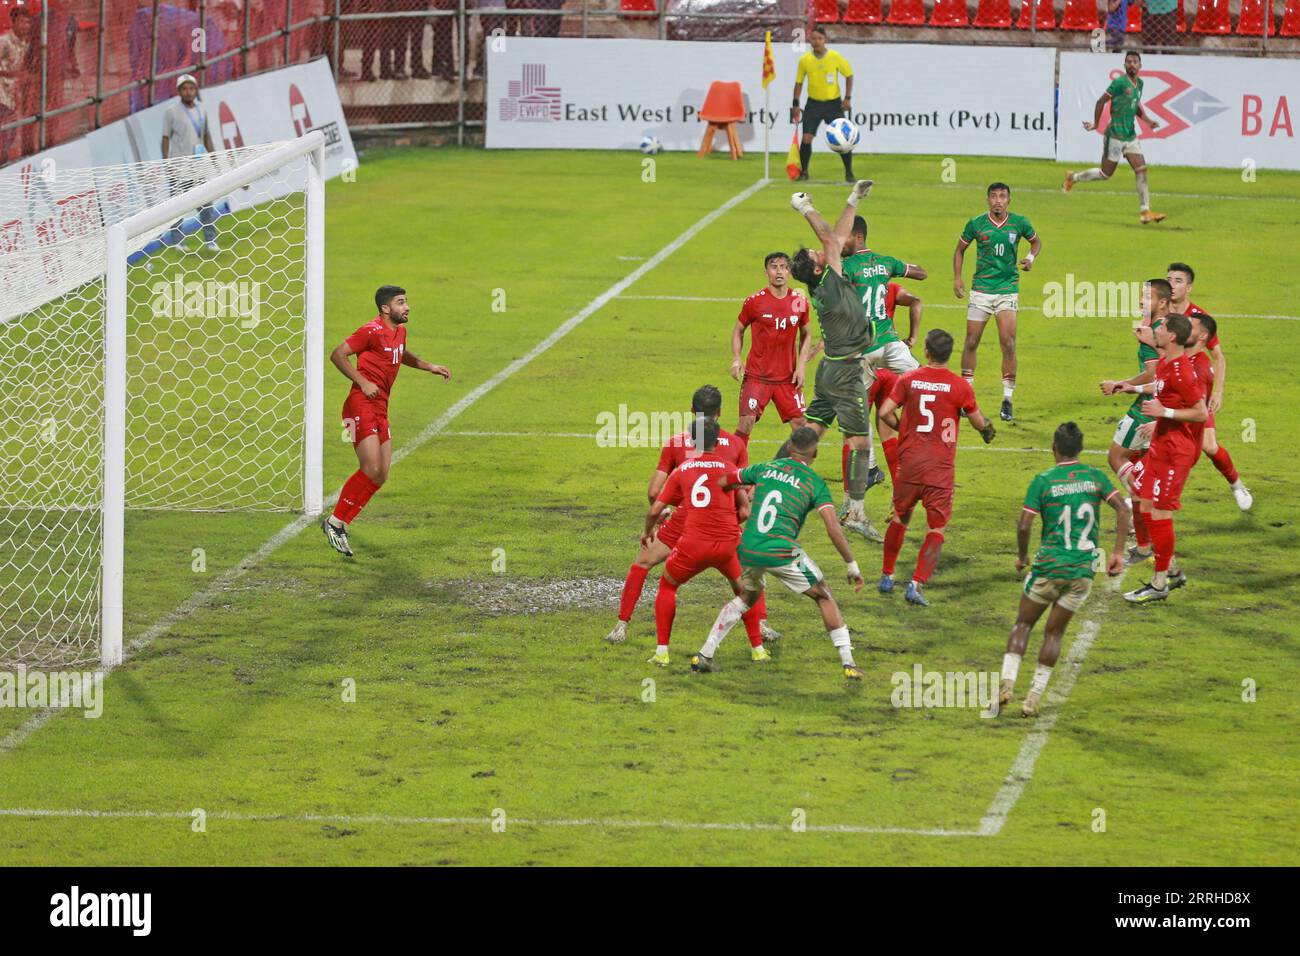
(484, 693)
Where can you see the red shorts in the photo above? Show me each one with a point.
(754, 396)
(671, 530)
(365, 417)
(693, 555)
(936, 500)
(1161, 482)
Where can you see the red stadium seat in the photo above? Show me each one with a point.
(1291, 19)
(906, 13)
(1046, 15)
(864, 11)
(1080, 15)
(1255, 16)
(723, 108)
(1182, 18)
(949, 13)
(638, 9)
(826, 11)
(1134, 18)
(993, 14)
(1212, 16)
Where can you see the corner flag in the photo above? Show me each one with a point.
(769, 68)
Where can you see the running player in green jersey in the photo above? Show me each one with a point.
(995, 289)
(1121, 140)
(786, 491)
(839, 388)
(1133, 433)
(1068, 496)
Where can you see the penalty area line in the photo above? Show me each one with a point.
(290, 531)
(33, 813)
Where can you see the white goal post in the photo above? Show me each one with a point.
(180, 379)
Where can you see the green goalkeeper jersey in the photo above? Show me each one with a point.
(869, 273)
(1068, 497)
(995, 251)
(1146, 353)
(846, 332)
(786, 491)
(1125, 98)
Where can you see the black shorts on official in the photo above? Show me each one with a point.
(816, 112)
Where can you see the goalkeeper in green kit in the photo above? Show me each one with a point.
(786, 491)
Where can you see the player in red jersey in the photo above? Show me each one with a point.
(380, 348)
(1181, 277)
(776, 317)
(706, 402)
(931, 400)
(1180, 412)
(699, 487)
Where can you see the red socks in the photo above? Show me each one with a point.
(356, 492)
(845, 455)
(632, 587)
(929, 556)
(1140, 528)
(1162, 538)
(1223, 461)
(890, 447)
(751, 619)
(894, 535)
(665, 610)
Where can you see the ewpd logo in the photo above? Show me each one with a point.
(528, 99)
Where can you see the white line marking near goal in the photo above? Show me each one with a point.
(400, 821)
(295, 527)
(1054, 189)
(928, 305)
(1022, 768)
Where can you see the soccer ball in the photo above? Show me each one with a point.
(650, 145)
(842, 135)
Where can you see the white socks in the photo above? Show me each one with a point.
(1041, 676)
(1008, 388)
(840, 638)
(1088, 175)
(728, 617)
(857, 511)
(1010, 666)
(1144, 191)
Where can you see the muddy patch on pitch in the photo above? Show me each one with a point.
(539, 595)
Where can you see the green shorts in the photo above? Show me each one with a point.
(840, 392)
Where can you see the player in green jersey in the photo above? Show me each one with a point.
(786, 491)
(1121, 140)
(1133, 433)
(995, 289)
(1068, 496)
(839, 388)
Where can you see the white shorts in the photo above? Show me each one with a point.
(1070, 593)
(1127, 435)
(1117, 149)
(984, 304)
(894, 356)
(800, 575)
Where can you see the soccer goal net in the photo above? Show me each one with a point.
(161, 337)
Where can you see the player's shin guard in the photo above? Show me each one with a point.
(1223, 461)
(731, 612)
(632, 586)
(929, 556)
(1143, 190)
(665, 610)
(1162, 539)
(357, 490)
(894, 536)
(858, 472)
(890, 448)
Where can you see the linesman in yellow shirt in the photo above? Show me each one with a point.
(823, 67)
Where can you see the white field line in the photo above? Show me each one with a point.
(753, 441)
(1022, 768)
(295, 527)
(1049, 190)
(929, 305)
(386, 820)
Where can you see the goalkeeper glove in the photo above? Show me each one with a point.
(801, 203)
(987, 432)
(860, 190)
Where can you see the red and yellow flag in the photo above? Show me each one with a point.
(769, 67)
(792, 165)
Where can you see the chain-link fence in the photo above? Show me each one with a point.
(69, 66)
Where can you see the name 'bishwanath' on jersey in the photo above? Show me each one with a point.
(786, 491)
(1068, 496)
